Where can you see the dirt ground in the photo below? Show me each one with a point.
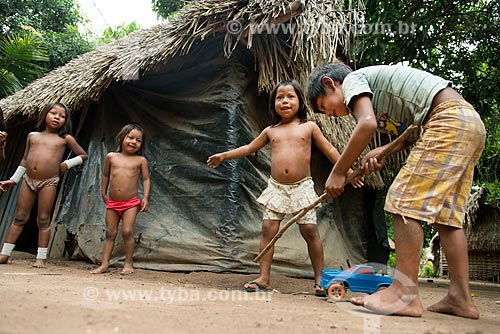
(64, 298)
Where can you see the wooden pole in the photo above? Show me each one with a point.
(384, 153)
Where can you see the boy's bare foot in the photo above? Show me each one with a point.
(452, 306)
(392, 301)
(99, 270)
(127, 269)
(4, 259)
(40, 263)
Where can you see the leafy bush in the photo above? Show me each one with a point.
(488, 168)
(427, 270)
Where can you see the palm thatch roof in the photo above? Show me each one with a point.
(320, 29)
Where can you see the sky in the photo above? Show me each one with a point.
(112, 13)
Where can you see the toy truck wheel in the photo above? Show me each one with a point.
(383, 287)
(336, 292)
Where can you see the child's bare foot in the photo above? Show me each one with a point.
(127, 269)
(40, 263)
(453, 306)
(4, 259)
(392, 301)
(100, 270)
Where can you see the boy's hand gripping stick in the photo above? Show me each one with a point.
(384, 153)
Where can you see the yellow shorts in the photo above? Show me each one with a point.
(434, 184)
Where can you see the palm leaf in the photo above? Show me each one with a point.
(9, 84)
(19, 55)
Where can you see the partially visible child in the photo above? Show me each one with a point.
(431, 188)
(3, 137)
(39, 173)
(120, 192)
(290, 187)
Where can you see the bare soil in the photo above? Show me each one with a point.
(65, 298)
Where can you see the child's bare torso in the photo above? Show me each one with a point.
(290, 151)
(124, 176)
(44, 156)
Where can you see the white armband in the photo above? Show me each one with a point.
(18, 175)
(74, 162)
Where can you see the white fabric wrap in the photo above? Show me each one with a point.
(18, 174)
(42, 253)
(7, 249)
(74, 162)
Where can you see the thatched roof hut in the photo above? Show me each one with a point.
(199, 84)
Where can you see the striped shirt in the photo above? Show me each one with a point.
(400, 95)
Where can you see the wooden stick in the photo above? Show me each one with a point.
(384, 153)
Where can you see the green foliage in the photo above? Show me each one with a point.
(488, 168)
(427, 270)
(164, 8)
(42, 15)
(110, 34)
(9, 84)
(426, 265)
(45, 37)
(492, 193)
(392, 260)
(19, 59)
(65, 46)
(455, 39)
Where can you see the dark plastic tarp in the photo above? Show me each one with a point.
(200, 218)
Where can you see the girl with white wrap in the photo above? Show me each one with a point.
(38, 176)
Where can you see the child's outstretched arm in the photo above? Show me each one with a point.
(215, 160)
(21, 169)
(146, 184)
(80, 153)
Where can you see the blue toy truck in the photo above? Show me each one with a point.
(359, 278)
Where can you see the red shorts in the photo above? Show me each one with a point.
(121, 206)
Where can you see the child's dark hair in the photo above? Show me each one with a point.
(301, 113)
(2, 121)
(66, 129)
(315, 88)
(125, 131)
